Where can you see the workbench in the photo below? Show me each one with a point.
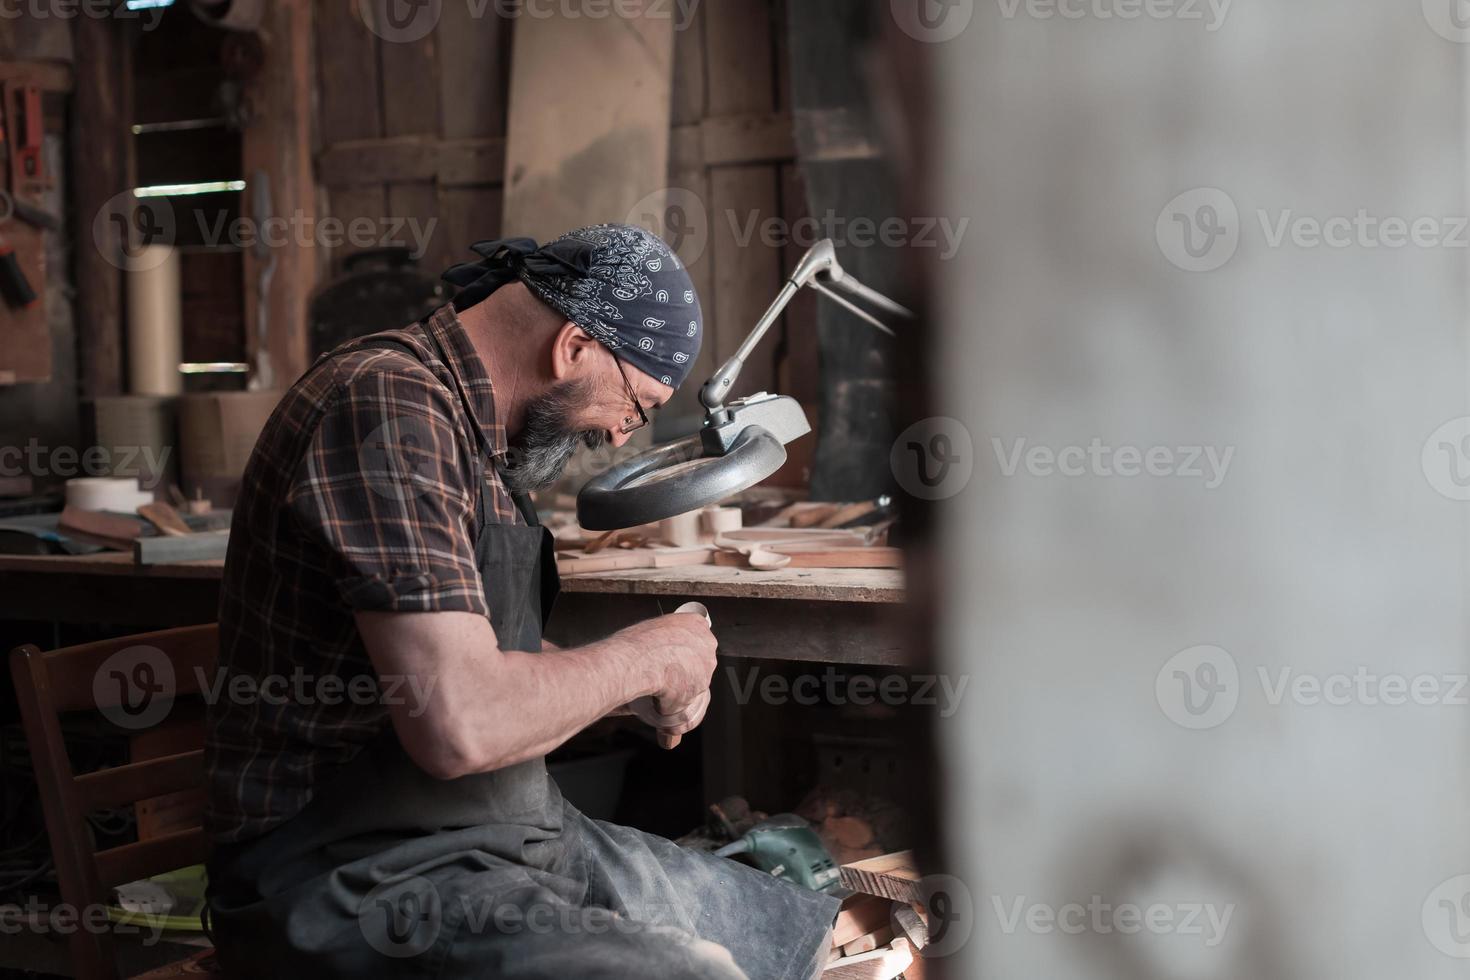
(833, 615)
(828, 616)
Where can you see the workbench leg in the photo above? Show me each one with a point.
(723, 742)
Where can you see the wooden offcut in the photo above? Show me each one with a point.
(164, 517)
(860, 915)
(193, 547)
(95, 527)
(892, 876)
(880, 964)
(868, 943)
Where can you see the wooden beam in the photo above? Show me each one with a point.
(406, 159)
(276, 148)
(720, 141)
(49, 76)
(100, 142)
(347, 52)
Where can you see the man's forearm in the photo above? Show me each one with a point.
(483, 708)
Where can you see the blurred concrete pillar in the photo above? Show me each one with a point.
(1207, 341)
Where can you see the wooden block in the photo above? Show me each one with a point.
(864, 944)
(811, 556)
(108, 530)
(848, 831)
(675, 557)
(194, 547)
(880, 964)
(849, 512)
(163, 516)
(720, 520)
(860, 914)
(681, 530)
(810, 514)
(889, 875)
(910, 925)
(624, 560)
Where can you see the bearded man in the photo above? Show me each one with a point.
(382, 807)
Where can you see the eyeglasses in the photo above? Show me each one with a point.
(630, 424)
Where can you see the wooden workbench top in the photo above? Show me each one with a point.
(876, 585)
(718, 581)
(111, 563)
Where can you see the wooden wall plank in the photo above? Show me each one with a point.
(747, 273)
(780, 56)
(739, 57)
(420, 201)
(474, 71)
(352, 204)
(410, 85)
(467, 215)
(349, 86)
(610, 142)
(99, 138)
(696, 252)
(470, 162)
(277, 143)
(799, 364)
(689, 101)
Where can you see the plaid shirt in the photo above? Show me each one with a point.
(360, 495)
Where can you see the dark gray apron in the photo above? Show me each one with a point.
(388, 872)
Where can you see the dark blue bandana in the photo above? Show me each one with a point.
(619, 283)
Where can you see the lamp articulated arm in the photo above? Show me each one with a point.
(819, 269)
(741, 442)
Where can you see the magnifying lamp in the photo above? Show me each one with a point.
(742, 441)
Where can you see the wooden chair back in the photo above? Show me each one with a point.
(133, 681)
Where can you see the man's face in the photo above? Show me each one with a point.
(588, 410)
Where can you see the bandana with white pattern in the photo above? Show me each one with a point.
(619, 283)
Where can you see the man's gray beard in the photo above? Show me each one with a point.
(547, 440)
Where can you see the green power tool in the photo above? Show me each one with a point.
(786, 846)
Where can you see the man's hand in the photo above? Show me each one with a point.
(686, 647)
(671, 727)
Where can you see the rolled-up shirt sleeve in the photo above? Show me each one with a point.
(389, 489)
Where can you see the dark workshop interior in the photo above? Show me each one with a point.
(210, 196)
(734, 489)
